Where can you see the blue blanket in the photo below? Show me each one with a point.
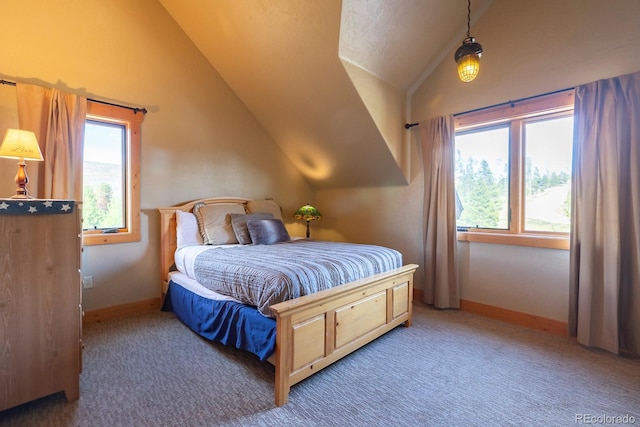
(227, 322)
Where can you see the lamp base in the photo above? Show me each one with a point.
(21, 181)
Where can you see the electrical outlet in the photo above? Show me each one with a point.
(87, 282)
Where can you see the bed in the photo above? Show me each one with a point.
(307, 333)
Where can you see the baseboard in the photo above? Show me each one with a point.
(138, 307)
(530, 321)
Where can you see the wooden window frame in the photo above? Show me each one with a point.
(132, 121)
(516, 113)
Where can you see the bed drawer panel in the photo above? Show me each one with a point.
(308, 341)
(400, 299)
(360, 317)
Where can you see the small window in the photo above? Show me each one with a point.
(111, 165)
(513, 173)
(104, 176)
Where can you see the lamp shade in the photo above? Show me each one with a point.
(468, 59)
(307, 213)
(20, 144)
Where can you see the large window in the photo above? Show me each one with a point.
(513, 172)
(111, 165)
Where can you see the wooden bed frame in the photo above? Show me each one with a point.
(314, 331)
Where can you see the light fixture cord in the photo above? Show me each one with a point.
(468, 18)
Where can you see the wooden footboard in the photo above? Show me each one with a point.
(316, 330)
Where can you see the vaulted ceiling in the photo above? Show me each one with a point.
(329, 80)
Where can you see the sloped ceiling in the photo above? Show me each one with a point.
(296, 65)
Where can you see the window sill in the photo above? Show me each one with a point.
(90, 239)
(533, 240)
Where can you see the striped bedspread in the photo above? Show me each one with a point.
(262, 275)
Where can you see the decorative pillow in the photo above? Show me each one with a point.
(214, 222)
(239, 224)
(255, 206)
(187, 233)
(267, 231)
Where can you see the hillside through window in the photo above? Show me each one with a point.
(104, 176)
(547, 181)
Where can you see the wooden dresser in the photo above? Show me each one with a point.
(40, 300)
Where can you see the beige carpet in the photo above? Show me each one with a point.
(450, 368)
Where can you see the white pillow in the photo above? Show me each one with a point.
(187, 232)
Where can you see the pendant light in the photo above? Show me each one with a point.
(468, 55)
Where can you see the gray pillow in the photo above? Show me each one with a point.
(239, 224)
(267, 231)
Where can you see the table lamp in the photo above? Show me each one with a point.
(307, 213)
(22, 145)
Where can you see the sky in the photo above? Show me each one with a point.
(547, 142)
(103, 143)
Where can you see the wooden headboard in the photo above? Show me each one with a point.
(168, 240)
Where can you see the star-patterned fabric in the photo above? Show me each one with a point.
(35, 206)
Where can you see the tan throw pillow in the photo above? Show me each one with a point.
(268, 206)
(214, 222)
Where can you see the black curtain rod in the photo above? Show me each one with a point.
(511, 103)
(135, 109)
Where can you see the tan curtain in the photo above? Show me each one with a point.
(437, 137)
(57, 118)
(605, 231)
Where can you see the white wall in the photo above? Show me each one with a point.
(198, 139)
(530, 48)
(524, 279)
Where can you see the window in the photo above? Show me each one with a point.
(513, 172)
(482, 178)
(111, 170)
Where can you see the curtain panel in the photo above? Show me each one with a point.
(437, 143)
(57, 118)
(604, 295)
